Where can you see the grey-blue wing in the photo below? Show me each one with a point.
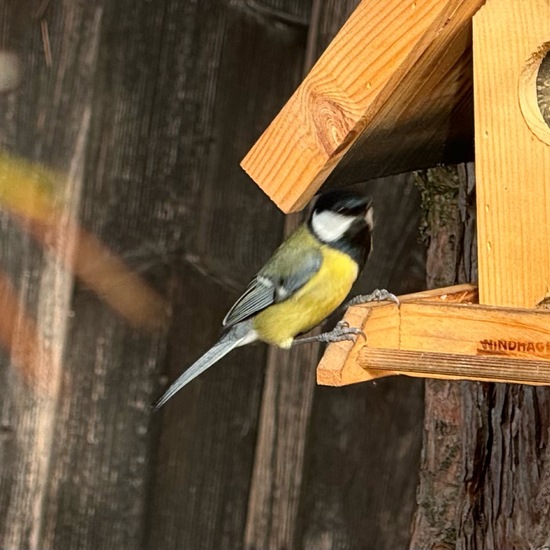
(273, 285)
(259, 294)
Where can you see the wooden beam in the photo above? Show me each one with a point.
(512, 154)
(442, 334)
(390, 84)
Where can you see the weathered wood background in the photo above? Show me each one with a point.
(149, 107)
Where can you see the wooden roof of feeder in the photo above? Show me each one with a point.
(393, 92)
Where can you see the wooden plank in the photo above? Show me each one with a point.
(384, 52)
(167, 98)
(30, 128)
(96, 463)
(278, 477)
(244, 58)
(453, 366)
(513, 209)
(384, 327)
(443, 340)
(428, 120)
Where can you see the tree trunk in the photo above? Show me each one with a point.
(484, 480)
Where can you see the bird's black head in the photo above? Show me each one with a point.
(339, 214)
(342, 202)
(344, 220)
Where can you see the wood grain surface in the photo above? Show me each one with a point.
(395, 79)
(236, 61)
(443, 333)
(138, 102)
(513, 213)
(143, 111)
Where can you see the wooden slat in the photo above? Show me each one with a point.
(390, 62)
(443, 340)
(31, 128)
(512, 192)
(452, 366)
(85, 106)
(150, 113)
(237, 62)
(382, 325)
(278, 478)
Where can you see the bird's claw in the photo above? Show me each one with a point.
(378, 295)
(341, 332)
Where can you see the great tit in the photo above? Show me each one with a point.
(305, 280)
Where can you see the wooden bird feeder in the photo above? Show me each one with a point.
(396, 78)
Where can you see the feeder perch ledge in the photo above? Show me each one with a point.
(442, 333)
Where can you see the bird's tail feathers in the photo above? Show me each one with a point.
(230, 340)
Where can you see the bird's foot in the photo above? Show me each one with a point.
(342, 331)
(379, 295)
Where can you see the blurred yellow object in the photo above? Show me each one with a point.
(31, 192)
(27, 189)
(108, 276)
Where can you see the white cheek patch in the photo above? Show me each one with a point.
(330, 226)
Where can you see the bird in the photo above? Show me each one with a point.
(307, 278)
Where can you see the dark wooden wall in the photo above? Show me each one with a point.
(148, 107)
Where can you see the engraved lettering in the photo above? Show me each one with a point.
(488, 346)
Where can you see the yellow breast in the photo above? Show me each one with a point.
(316, 300)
